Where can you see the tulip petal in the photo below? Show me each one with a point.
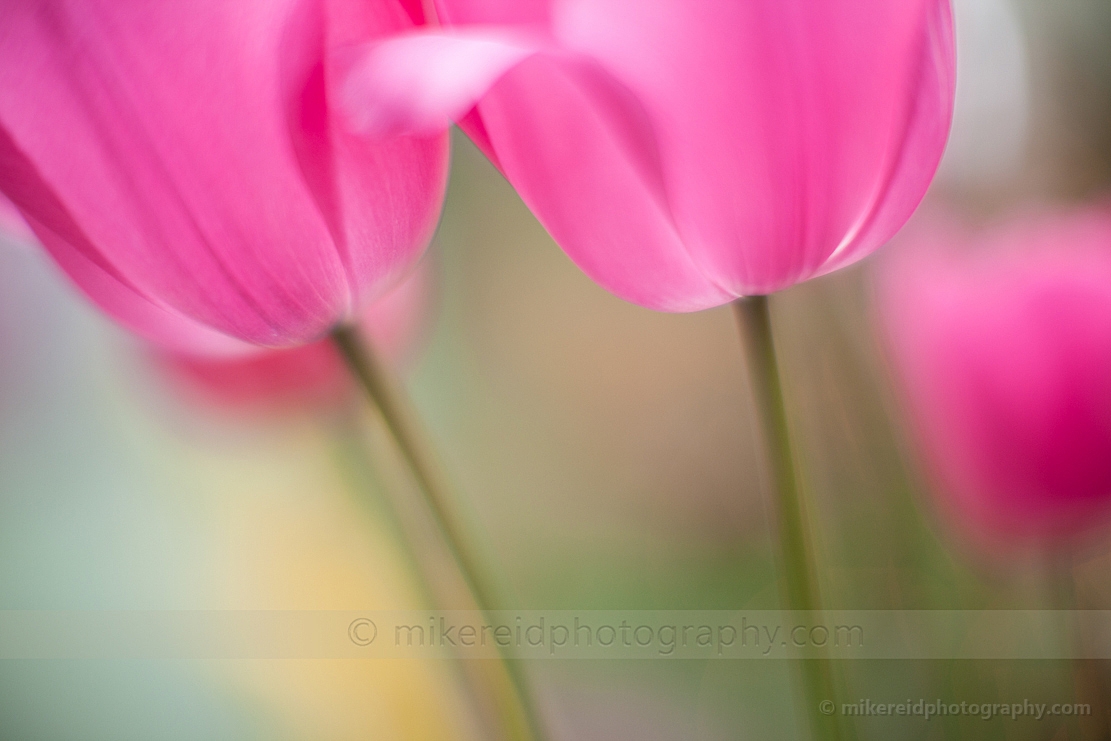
(416, 11)
(581, 152)
(381, 197)
(420, 82)
(573, 141)
(534, 13)
(169, 143)
(158, 324)
(774, 118)
(916, 159)
(71, 249)
(163, 183)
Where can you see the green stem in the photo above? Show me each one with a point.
(1087, 676)
(798, 590)
(384, 503)
(401, 421)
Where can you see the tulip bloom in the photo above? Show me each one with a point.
(1004, 357)
(686, 153)
(313, 375)
(183, 164)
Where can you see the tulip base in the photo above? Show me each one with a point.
(795, 562)
(520, 719)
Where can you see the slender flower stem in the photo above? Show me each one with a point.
(521, 721)
(798, 590)
(1088, 681)
(359, 468)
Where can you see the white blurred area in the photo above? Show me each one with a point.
(988, 145)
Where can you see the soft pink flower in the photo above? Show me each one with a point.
(313, 375)
(1002, 345)
(686, 152)
(183, 164)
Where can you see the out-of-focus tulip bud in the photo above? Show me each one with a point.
(1002, 348)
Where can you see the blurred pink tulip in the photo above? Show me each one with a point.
(1004, 355)
(183, 164)
(686, 153)
(314, 375)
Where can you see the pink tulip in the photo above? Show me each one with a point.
(310, 376)
(686, 153)
(183, 164)
(1003, 351)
